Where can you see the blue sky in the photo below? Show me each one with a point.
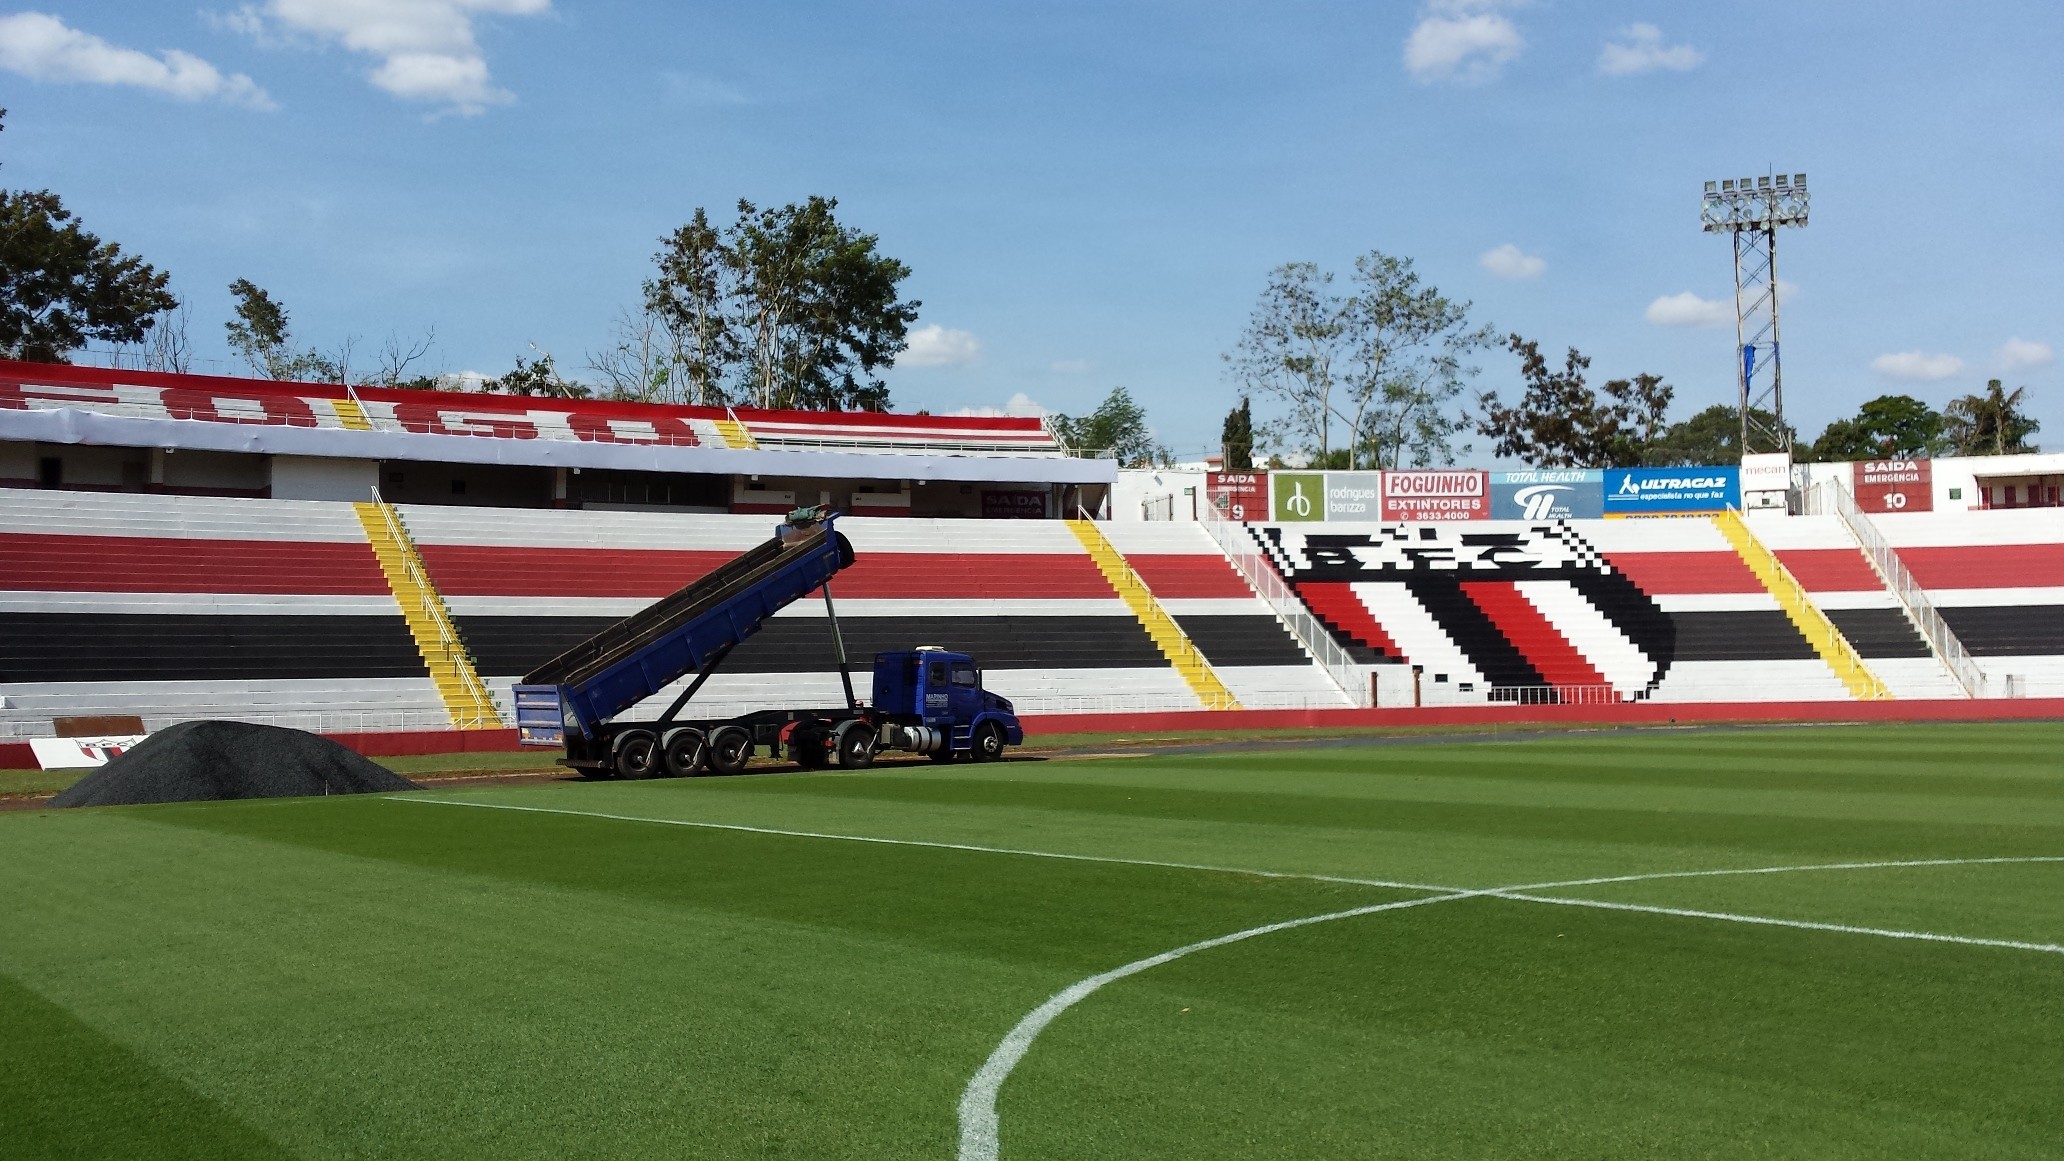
(1089, 194)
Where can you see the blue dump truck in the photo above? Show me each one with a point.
(925, 700)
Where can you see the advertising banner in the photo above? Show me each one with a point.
(80, 753)
(1445, 495)
(1354, 495)
(1670, 491)
(1297, 496)
(1548, 494)
(1894, 486)
(1238, 495)
(1014, 505)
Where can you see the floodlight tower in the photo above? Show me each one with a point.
(1752, 209)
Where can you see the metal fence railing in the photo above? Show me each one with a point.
(1831, 498)
(315, 721)
(1238, 545)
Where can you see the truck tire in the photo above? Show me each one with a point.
(987, 744)
(854, 746)
(730, 748)
(636, 755)
(683, 752)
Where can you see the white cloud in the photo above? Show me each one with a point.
(937, 346)
(1917, 365)
(1509, 261)
(425, 48)
(1019, 405)
(1640, 49)
(2021, 354)
(1468, 42)
(1689, 310)
(44, 48)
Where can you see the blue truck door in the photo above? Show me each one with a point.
(937, 694)
(966, 698)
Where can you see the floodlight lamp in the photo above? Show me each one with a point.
(1799, 180)
(1781, 181)
(1711, 186)
(1727, 185)
(1763, 182)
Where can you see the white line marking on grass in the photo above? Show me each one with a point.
(978, 1134)
(978, 1125)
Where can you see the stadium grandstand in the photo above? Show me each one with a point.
(368, 562)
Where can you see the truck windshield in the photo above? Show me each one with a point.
(964, 675)
(935, 674)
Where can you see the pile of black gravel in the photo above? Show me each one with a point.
(204, 761)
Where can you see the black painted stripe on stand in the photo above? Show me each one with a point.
(203, 647)
(515, 644)
(1740, 635)
(1242, 639)
(2007, 630)
(1880, 632)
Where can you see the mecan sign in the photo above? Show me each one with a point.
(1444, 495)
(1671, 491)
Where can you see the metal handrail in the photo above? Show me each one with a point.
(1238, 545)
(447, 634)
(1830, 497)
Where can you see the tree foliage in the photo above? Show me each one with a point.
(1712, 437)
(1236, 438)
(1384, 361)
(1561, 422)
(61, 286)
(1118, 425)
(259, 332)
(1989, 424)
(1885, 428)
(784, 307)
(536, 377)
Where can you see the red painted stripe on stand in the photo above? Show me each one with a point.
(1336, 604)
(43, 563)
(1536, 638)
(1668, 573)
(503, 571)
(1831, 570)
(1986, 566)
(1180, 577)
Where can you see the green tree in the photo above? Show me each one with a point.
(1561, 422)
(1885, 428)
(1991, 424)
(1710, 438)
(785, 307)
(258, 331)
(1118, 425)
(1236, 438)
(1385, 361)
(61, 286)
(536, 377)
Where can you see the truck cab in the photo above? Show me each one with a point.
(931, 700)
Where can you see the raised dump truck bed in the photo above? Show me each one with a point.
(572, 699)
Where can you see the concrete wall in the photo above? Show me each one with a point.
(1172, 493)
(323, 478)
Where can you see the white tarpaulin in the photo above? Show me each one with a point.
(80, 753)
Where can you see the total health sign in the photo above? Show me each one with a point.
(1671, 491)
(1548, 494)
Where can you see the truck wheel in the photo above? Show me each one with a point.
(683, 752)
(637, 755)
(856, 747)
(729, 750)
(988, 742)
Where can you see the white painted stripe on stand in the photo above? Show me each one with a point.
(1626, 668)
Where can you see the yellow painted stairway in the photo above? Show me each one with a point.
(734, 431)
(1174, 644)
(1827, 641)
(451, 667)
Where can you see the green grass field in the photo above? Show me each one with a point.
(404, 977)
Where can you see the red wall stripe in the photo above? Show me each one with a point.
(504, 571)
(1543, 645)
(1831, 570)
(1335, 602)
(1986, 566)
(1665, 573)
(1180, 577)
(39, 562)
